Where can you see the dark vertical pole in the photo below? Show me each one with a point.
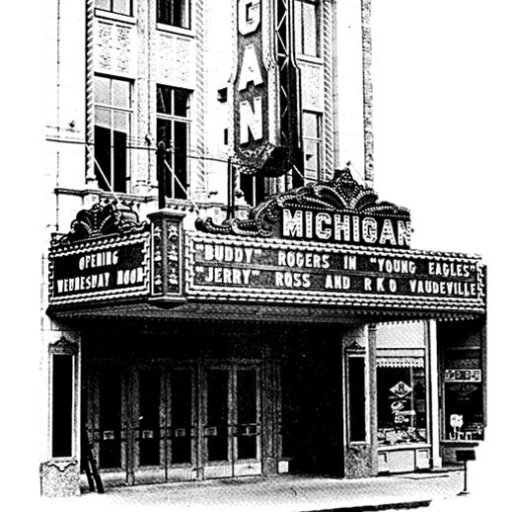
(161, 174)
(465, 477)
(231, 189)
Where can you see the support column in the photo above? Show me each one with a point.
(268, 414)
(431, 332)
(360, 423)
(60, 473)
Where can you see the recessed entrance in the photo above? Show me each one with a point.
(162, 422)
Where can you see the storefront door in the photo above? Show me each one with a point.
(232, 427)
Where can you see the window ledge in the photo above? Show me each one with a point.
(113, 16)
(398, 447)
(171, 29)
(310, 59)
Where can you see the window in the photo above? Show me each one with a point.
(307, 28)
(173, 129)
(356, 398)
(112, 118)
(401, 385)
(311, 124)
(173, 12)
(62, 356)
(401, 404)
(461, 351)
(117, 6)
(253, 188)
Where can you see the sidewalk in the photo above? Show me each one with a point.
(285, 493)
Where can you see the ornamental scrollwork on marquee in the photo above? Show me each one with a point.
(115, 218)
(341, 194)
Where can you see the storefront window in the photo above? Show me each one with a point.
(463, 411)
(401, 386)
(461, 353)
(401, 400)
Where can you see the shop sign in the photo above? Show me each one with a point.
(397, 406)
(466, 375)
(401, 390)
(236, 268)
(456, 421)
(100, 270)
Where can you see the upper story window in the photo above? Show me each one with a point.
(312, 134)
(117, 6)
(173, 129)
(112, 121)
(307, 27)
(173, 12)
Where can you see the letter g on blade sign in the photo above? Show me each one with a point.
(249, 16)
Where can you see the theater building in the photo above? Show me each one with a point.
(222, 298)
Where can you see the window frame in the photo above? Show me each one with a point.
(111, 9)
(112, 109)
(168, 24)
(174, 189)
(300, 32)
(317, 141)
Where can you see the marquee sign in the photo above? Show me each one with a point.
(237, 269)
(340, 211)
(107, 269)
(105, 256)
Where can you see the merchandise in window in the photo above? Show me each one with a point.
(401, 404)
(463, 394)
(173, 129)
(307, 28)
(173, 12)
(112, 119)
(116, 6)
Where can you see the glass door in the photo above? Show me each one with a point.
(148, 422)
(106, 425)
(246, 422)
(143, 423)
(165, 439)
(231, 430)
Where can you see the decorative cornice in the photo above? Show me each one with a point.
(342, 194)
(102, 220)
(63, 346)
(355, 348)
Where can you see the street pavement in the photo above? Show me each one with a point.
(435, 490)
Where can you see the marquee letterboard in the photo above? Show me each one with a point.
(100, 269)
(235, 268)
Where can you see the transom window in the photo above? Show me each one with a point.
(112, 120)
(307, 27)
(173, 12)
(117, 6)
(173, 129)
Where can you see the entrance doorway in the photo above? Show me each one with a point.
(232, 429)
(162, 422)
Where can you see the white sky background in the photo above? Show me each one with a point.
(442, 83)
(442, 119)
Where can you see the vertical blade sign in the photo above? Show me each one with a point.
(252, 139)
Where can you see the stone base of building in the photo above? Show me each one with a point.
(60, 478)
